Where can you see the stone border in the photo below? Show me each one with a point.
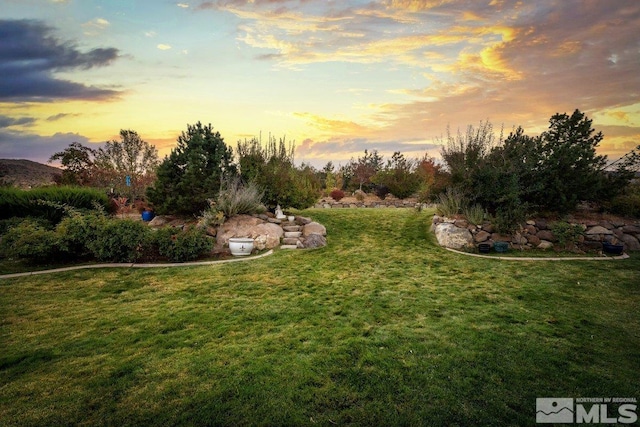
(574, 258)
(133, 265)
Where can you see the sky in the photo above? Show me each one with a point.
(334, 77)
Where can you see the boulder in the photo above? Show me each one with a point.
(265, 234)
(482, 236)
(546, 235)
(314, 228)
(530, 229)
(630, 242)
(534, 240)
(453, 237)
(545, 244)
(315, 241)
(631, 229)
(598, 229)
(160, 221)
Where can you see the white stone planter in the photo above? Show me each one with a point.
(241, 246)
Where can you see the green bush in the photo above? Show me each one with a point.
(182, 245)
(399, 176)
(475, 214)
(76, 231)
(119, 240)
(49, 202)
(567, 234)
(450, 202)
(626, 204)
(31, 241)
(236, 198)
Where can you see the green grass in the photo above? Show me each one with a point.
(382, 327)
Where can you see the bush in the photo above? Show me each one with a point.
(192, 173)
(49, 203)
(450, 202)
(182, 246)
(76, 231)
(119, 240)
(337, 194)
(31, 241)
(382, 191)
(399, 176)
(475, 214)
(567, 234)
(236, 198)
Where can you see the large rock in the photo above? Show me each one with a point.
(631, 229)
(546, 235)
(453, 237)
(598, 229)
(314, 228)
(265, 234)
(482, 236)
(545, 244)
(630, 242)
(315, 241)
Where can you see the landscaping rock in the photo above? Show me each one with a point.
(482, 236)
(534, 240)
(631, 229)
(303, 220)
(597, 230)
(314, 228)
(315, 241)
(266, 234)
(630, 242)
(453, 237)
(546, 235)
(159, 221)
(545, 244)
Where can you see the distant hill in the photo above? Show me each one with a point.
(26, 174)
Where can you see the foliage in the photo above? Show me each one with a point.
(365, 168)
(628, 203)
(450, 202)
(76, 231)
(399, 176)
(462, 154)
(236, 198)
(272, 169)
(182, 245)
(434, 179)
(381, 191)
(337, 194)
(77, 163)
(192, 173)
(567, 234)
(474, 213)
(119, 240)
(131, 157)
(49, 202)
(30, 240)
(360, 195)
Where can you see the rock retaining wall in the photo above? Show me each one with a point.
(538, 234)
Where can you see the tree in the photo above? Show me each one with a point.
(193, 172)
(366, 167)
(570, 170)
(77, 161)
(131, 157)
(463, 153)
(434, 179)
(399, 176)
(272, 169)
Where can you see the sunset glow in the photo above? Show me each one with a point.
(336, 77)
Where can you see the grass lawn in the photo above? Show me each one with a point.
(381, 327)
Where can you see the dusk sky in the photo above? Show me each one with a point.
(336, 77)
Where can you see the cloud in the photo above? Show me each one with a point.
(6, 121)
(95, 26)
(162, 46)
(16, 145)
(29, 57)
(60, 116)
(183, 5)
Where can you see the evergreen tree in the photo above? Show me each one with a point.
(193, 172)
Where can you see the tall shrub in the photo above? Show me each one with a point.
(192, 173)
